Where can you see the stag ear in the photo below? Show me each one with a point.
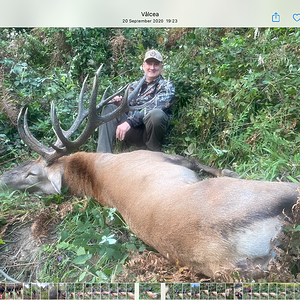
(56, 182)
(55, 177)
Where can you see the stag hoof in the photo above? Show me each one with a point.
(228, 173)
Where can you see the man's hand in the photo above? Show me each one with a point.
(121, 131)
(117, 100)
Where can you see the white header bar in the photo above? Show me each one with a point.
(154, 13)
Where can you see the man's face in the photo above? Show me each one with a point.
(152, 68)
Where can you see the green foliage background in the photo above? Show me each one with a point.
(237, 90)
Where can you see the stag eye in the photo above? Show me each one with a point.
(30, 174)
(34, 171)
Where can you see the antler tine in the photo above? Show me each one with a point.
(63, 136)
(82, 112)
(123, 108)
(89, 129)
(62, 139)
(105, 101)
(134, 94)
(31, 141)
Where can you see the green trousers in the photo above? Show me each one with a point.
(150, 133)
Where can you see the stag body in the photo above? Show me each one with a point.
(206, 224)
(201, 224)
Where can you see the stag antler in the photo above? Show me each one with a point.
(63, 145)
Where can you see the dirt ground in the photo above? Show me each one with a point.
(20, 256)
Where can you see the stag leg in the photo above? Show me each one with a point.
(197, 166)
(216, 172)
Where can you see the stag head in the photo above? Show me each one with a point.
(38, 176)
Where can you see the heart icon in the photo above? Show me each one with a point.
(296, 17)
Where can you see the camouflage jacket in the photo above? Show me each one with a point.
(159, 92)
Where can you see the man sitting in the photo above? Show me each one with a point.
(149, 125)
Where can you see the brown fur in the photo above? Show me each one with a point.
(79, 174)
(155, 196)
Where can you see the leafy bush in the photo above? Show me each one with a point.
(242, 102)
(93, 246)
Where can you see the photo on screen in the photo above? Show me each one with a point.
(95, 198)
